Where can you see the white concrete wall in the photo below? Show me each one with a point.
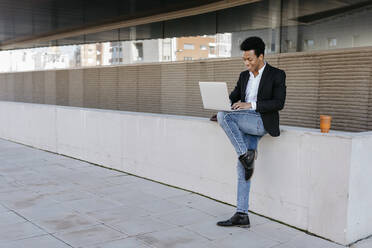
(317, 182)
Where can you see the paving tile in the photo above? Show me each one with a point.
(140, 225)
(65, 220)
(204, 204)
(247, 239)
(257, 220)
(26, 199)
(277, 231)
(308, 241)
(121, 179)
(71, 195)
(162, 190)
(111, 189)
(366, 243)
(90, 204)
(9, 218)
(210, 230)
(174, 238)
(99, 172)
(184, 217)
(19, 231)
(116, 214)
(93, 207)
(161, 206)
(44, 241)
(131, 242)
(132, 197)
(3, 209)
(90, 236)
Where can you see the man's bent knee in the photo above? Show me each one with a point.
(220, 116)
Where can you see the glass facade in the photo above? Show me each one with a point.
(285, 26)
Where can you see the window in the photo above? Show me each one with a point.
(187, 58)
(188, 46)
(165, 57)
(203, 47)
(212, 49)
(332, 42)
(308, 44)
(289, 44)
(356, 41)
(138, 51)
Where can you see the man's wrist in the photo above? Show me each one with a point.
(253, 105)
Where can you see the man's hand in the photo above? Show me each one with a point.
(241, 105)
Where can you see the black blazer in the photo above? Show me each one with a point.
(270, 97)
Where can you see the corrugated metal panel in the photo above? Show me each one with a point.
(76, 88)
(28, 87)
(149, 88)
(302, 91)
(317, 83)
(50, 87)
(62, 84)
(3, 86)
(173, 88)
(91, 88)
(197, 71)
(343, 92)
(38, 87)
(108, 87)
(18, 87)
(127, 88)
(10, 86)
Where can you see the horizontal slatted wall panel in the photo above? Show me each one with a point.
(317, 83)
(228, 71)
(197, 71)
(10, 86)
(18, 87)
(302, 81)
(108, 86)
(149, 88)
(370, 99)
(28, 87)
(38, 87)
(62, 91)
(173, 88)
(344, 89)
(91, 88)
(76, 88)
(2, 86)
(127, 88)
(272, 59)
(50, 87)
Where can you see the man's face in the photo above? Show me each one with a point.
(251, 61)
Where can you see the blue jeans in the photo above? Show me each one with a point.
(244, 128)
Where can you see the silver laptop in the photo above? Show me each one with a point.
(215, 96)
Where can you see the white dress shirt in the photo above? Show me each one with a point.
(252, 87)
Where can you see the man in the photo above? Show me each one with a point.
(259, 95)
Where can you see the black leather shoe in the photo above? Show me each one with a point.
(247, 160)
(238, 219)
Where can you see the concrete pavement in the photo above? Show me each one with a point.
(52, 201)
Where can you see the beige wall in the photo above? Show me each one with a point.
(337, 82)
